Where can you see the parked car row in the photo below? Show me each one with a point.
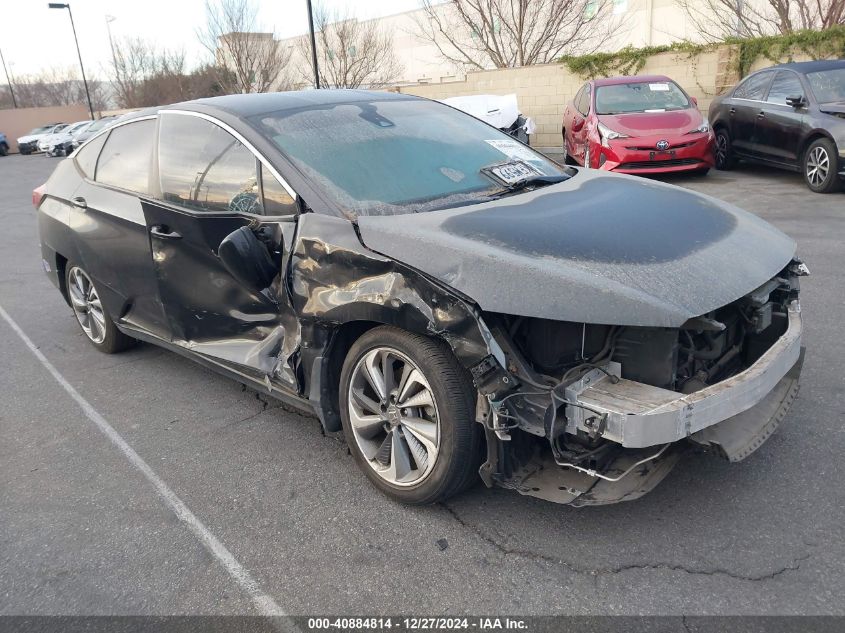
(28, 143)
(60, 139)
(790, 116)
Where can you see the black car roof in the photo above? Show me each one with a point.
(814, 66)
(247, 105)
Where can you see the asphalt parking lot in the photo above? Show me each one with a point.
(83, 531)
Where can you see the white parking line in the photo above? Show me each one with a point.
(263, 602)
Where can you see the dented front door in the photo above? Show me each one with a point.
(208, 311)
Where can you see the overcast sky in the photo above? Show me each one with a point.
(35, 37)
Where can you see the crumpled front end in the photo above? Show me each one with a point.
(592, 414)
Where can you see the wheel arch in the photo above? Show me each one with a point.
(812, 137)
(341, 289)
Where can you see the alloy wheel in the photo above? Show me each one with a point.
(818, 166)
(394, 417)
(86, 305)
(721, 149)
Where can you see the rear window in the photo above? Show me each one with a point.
(125, 158)
(753, 88)
(86, 157)
(395, 156)
(642, 96)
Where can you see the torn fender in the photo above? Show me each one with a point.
(335, 280)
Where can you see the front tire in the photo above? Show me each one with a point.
(91, 314)
(725, 159)
(4, 149)
(407, 408)
(821, 166)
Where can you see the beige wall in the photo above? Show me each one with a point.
(543, 91)
(16, 122)
(638, 23)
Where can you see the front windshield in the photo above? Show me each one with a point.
(828, 85)
(40, 130)
(644, 96)
(396, 156)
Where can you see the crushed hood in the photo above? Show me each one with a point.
(597, 248)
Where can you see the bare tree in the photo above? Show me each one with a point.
(248, 57)
(717, 19)
(350, 53)
(55, 87)
(509, 33)
(143, 75)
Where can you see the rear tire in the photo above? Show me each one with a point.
(91, 314)
(408, 410)
(821, 166)
(725, 159)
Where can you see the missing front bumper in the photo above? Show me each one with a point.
(639, 415)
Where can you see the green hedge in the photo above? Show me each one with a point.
(630, 60)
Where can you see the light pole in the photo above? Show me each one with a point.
(313, 45)
(60, 5)
(109, 20)
(9, 81)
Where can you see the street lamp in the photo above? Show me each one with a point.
(60, 5)
(313, 44)
(109, 20)
(8, 80)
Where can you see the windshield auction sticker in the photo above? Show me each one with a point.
(512, 149)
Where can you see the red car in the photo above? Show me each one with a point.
(637, 125)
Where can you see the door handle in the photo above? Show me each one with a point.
(761, 114)
(159, 230)
(732, 111)
(79, 202)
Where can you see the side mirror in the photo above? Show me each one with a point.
(247, 260)
(694, 101)
(796, 101)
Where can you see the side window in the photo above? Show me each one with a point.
(583, 104)
(576, 100)
(86, 157)
(277, 200)
(125, 159)
(753, 88)
(204, 168)
(785, 84)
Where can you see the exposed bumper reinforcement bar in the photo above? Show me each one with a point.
(640, 415)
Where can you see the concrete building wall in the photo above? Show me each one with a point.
(16, 122)
(639, 23)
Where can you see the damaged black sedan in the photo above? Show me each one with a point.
(460, 306)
